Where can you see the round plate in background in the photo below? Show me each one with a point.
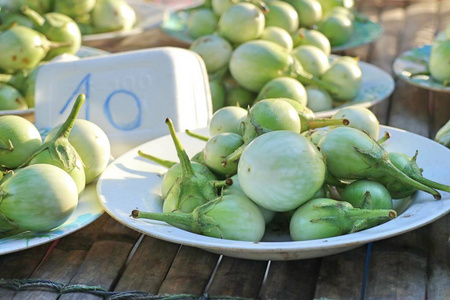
(416, 61)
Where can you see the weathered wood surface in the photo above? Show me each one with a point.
(414, 265)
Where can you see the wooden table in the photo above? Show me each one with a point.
(415, 265)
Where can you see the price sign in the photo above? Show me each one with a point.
(129, 95)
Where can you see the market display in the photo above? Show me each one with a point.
(270, 70)
(33, 33)
(246, 45)
(338, 182)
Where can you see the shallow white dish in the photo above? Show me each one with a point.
(416, 61)
(88, 210)
(148, 16)
(132, 182)
(83, 52)
(377, 85)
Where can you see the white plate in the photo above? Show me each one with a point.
(88, 210)
(83, 52)
(148, 16)
(132, 182)
(377, 85)
(416, 61)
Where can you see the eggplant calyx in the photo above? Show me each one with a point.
(64, 152)
(379, 161)
(8, 148)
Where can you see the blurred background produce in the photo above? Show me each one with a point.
(294, 52)
(33, 33)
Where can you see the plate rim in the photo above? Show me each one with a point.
(267, 249)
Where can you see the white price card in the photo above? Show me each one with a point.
(129, 95)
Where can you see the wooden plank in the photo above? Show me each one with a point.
(341, 275)
(439, 257)
(409, 108)
(420, 25)
(20, 265)
(405, 256)
(101, 267)
(65, 259)
(364, 52)
(385, 50)
(148, 266)
(291, 279)
(238, 278)
(403, 273)
(439, 260)
(60, 267)
(190, 272)
(444, 15)
(105, 259)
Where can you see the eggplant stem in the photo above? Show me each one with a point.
(359, 218)
(221, 183)
(430, 183)
(54, 45)
(33, 15)
(235, 155)
(160, 161)
(196, 135)
(178, 219)
(186, 166)
(324, 122)
(390, 169)
(356, 213)
(62, 133)
(384, 138)
(67, 126)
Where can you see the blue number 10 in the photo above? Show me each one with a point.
(85, 82)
